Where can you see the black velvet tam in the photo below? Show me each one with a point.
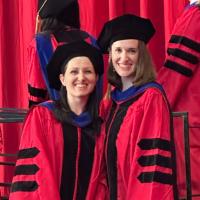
(127, 26)
(65, 52)
(52, 8)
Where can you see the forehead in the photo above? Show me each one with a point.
(128, 43)
(80, 61)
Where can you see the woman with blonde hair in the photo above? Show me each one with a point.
(139, 144)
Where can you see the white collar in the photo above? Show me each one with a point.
(192, 1)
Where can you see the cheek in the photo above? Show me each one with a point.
(67, 81)
(135, 58)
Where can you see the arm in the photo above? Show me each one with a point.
(183, 55)
(37, 91)
(151, 160)
(38, 167)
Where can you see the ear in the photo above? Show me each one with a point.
(61, 77)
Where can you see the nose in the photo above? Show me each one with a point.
(124, 56)
(81, 76)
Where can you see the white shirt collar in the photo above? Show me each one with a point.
(192, 1)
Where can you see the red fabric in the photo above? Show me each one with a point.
(184, 93)
(42, 131)
(146, 118)
(17, 25)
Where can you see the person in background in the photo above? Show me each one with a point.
(57, 23)
(180, 77)
(139, 145)
(62, 143)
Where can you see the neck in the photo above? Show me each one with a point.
(78, 105)
(127, 82)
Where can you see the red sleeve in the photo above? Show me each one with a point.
(36, 84)
(39, 163)
(152, 123)
(182, 61)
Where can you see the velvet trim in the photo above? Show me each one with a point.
(26, 169)
(85, 161)
(178, 68)
(154, 143)
(28, 153)
(186, 42)
(24, 186)
(183, 55)
(160, 177)
(152, 160)
(69, 161)
(82, 120)
(112, 130)
(32, 103)
(121, 96)
(36, 92)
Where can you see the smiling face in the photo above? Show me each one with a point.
(124, 55)
(79, 78)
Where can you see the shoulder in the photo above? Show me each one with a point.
(44, 111)
(153, 94)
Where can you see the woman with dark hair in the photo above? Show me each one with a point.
(139, 143)
(62, 143)
(57, 23)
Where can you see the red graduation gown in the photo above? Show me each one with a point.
(180, 78)
(41, 148)
(138, 131)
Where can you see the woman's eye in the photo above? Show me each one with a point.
(132, 51)
(88, 71)
(118, 50)
(74, 72)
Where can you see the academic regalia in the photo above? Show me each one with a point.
(180, 77)
(139, 144)
(58, 161)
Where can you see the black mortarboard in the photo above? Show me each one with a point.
(68, 51)
(52, 8)
(127, 26)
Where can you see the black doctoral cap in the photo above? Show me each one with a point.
(66, 11)
(127, 26)
(66, 52)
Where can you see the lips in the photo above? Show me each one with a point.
(124, 66)
(81, 85)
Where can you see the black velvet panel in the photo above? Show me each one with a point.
(183, 55)
(36, 92)
(154, 143)
(32, 103)
(186, 42)
(112, 130)
(69, 161)
(26, 169)
(152, 160)
(24, 186)
(160, 177)
(178, 68)
(28, 153)
(85, 162)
